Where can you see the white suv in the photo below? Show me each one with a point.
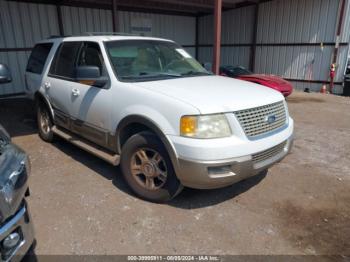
(146, 104)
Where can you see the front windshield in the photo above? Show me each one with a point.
(238, 71)
(146, 60)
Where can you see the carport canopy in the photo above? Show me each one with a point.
(185, 7)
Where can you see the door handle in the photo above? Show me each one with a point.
(75, 92)
(47, 85)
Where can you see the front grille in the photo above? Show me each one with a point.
(269, 153)
(254, 121)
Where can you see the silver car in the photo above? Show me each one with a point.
(16, 227)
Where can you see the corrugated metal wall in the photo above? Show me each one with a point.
(345, 37)
(237, 30)
(18, 29)
(78, 20)
(281, 22)
(182, 30)
(237, 27)
(23, 24)
(346, 31)
(229, 55)
(298, 21)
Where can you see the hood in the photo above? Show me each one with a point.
(269, 78)
(215, 94)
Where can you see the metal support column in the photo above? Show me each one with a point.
(59, 18)
(115, 16)
(254, 37)
(337, 42)
(197, 38)
(217, 36)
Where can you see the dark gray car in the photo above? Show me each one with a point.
(16, 228)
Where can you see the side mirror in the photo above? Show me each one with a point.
(90, 75)
(208, 66)
(5, 74)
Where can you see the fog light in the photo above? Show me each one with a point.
(219, 170)
(11, 240)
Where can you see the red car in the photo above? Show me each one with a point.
(271, 81)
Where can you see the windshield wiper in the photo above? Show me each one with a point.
(143, 75)
(146, 75)
(159, 74)
(195, 73)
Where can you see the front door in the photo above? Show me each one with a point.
(90, 105)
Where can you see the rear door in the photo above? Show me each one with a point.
(35, 67)
(61, 80)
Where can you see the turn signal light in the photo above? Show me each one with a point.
(188, 125)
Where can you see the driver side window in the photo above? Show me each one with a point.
(90, 55)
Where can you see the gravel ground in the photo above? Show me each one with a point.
(81, 205)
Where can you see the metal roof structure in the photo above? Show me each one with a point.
(295, 39)
(195, 8)
(190, 7)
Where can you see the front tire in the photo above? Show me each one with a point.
(45, 123)
(148, 170)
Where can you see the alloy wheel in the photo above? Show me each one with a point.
(149, 168)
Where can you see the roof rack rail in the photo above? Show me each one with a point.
(54, 36)
(110, 33)
(57, 36)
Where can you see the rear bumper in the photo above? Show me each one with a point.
(21, 222)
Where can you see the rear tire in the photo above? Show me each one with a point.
(45, 123)
(148, 170)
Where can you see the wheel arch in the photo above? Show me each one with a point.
(137, 124)
(40, 98)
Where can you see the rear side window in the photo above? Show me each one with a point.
(38, 58)
(63, 64)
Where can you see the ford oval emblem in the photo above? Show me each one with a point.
(270, 119)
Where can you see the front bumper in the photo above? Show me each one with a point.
(217, 174)
(21, 223)
(218, 163)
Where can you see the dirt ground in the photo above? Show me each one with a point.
(81, 205)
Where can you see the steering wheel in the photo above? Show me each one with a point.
(174, 64)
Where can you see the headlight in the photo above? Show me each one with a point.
(205, 126)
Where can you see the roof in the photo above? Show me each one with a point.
(101, 38)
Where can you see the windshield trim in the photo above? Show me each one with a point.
(144, 79)
(237, 68)
(159, 78)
